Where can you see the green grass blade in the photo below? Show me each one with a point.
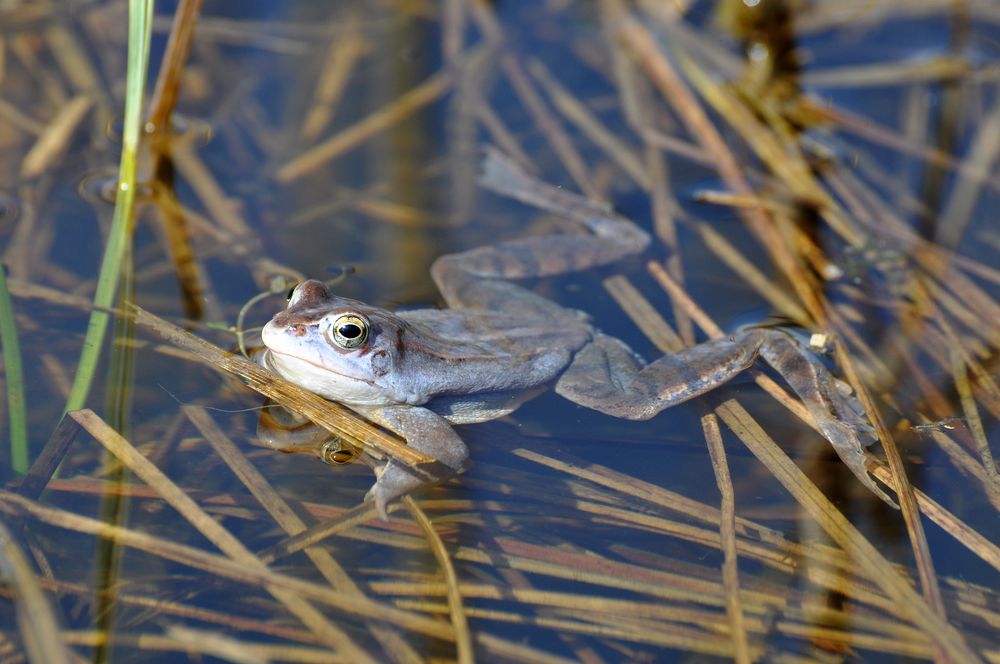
(15, 381)
(140, 21)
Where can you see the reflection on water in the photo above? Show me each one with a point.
(830, 164)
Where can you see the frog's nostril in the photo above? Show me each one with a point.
(298, 329)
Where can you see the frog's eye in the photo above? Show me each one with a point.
(349, 331)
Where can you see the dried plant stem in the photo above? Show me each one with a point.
(973, 420)
(53, 141)
(844, 533)
(962, 532)
(904, 490)
(190, 642)
(343, 55)
(395, 647)
(36, 619)
(178, 45)
(224, 566)
(212, 530)
(400, 109)
(727, 533)
(463, 638)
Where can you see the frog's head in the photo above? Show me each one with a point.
(339, 348)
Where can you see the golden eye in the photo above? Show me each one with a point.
(349, 331)
(334, 452)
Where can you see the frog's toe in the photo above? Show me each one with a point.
(851, 413)
(849, 446)
(394, 480)
(865, 432)
(381, 502)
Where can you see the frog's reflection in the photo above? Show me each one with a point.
(285, 431)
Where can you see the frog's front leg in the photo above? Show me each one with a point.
(608, 377)
(426, 432)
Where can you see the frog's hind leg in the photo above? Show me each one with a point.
(837, 413)
(609, 377)
(471, 279)
(479, 278)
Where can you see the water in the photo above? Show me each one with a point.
(573, 534)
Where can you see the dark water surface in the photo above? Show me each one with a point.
(573, 535)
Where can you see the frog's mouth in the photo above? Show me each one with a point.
(327, 383)
(294, 362)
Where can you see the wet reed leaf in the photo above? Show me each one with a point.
(222, 566)
(962, 532)
(727, 535)
(329, 633)
(463, 637)
(949, 639)
(140, 27)
(14, 378)
(35, 616)
(53, 141)
(394, 645)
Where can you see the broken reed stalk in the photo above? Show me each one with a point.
(161, 105)
(826, 515)
(222, 566)
(36, 620)
(727, 536)
(787, 164)
(214, 532)
(140, 27)
(463, 637)
(394, 645)
(173, 223)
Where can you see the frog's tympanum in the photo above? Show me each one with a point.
(497, 345)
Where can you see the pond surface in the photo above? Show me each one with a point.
(825, 165)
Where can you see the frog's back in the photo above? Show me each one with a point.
(466, 351)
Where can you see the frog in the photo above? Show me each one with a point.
(496, 344)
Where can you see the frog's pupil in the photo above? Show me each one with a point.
(350, 331)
